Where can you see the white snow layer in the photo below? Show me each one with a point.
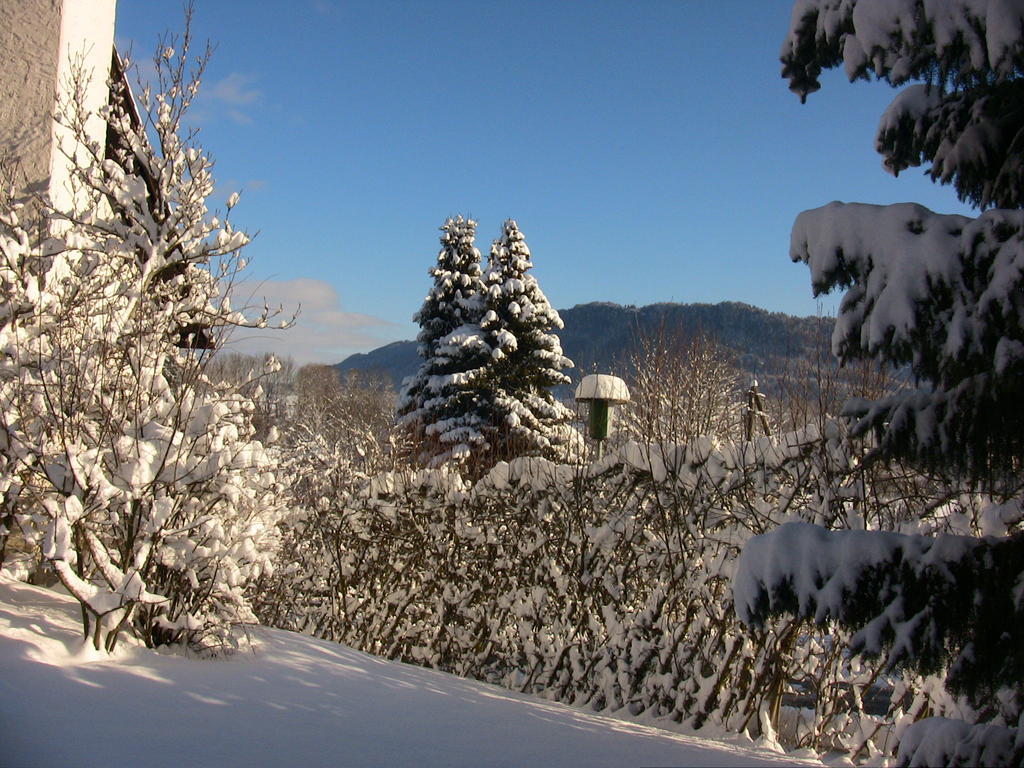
(292, 700)
(985, 33)
(894, 256)
(602, 386)
(942, 741)
(824, 567)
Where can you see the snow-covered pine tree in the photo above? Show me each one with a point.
(519, 324)
(937, 293)
(444, 406)
(941, 294)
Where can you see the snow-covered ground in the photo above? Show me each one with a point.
(292, 700)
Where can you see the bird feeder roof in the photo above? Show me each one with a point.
(602, 386)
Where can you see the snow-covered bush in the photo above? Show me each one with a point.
(335, 434)
(268, 383)
(605, 584)
(137, 476)
(684, 387)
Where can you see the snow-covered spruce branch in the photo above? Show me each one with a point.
(939, 293)
(955, 44)
(971, 139)
(923, 599)
(946, 741)
(964, 118)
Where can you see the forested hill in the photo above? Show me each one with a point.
(604, 337)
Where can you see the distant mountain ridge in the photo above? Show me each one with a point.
(603, 337)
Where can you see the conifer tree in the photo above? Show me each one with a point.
(443, 405)
(942, 295)
(937, 293)
(527, 359)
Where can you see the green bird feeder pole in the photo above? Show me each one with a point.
(602, 391)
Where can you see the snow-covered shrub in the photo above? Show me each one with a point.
(684, 387)
(335, 435)
(137, 476)
(607, 585)
(268, 385)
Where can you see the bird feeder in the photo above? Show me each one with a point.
(602, 392)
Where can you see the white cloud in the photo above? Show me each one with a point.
(325, 7)
(323, 331)
(228, 97)
(234, 90)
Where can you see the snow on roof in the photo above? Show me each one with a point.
(602, 386)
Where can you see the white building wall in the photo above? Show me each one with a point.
(85, 49)
(41, 41)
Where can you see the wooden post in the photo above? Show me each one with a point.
(755, 407)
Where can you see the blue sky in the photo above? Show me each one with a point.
(649, 149)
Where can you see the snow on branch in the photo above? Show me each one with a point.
(953, 42)
(942, 741)
(963, 118)
(888, 257)
(927, 599)
(153, 501)
(972, 138)
(940, 293)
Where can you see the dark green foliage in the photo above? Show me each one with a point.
(928, 610)
(527, 362)
(942, 295)
(960, 326)
(973, 139)
(971, 125)
(445, 405)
